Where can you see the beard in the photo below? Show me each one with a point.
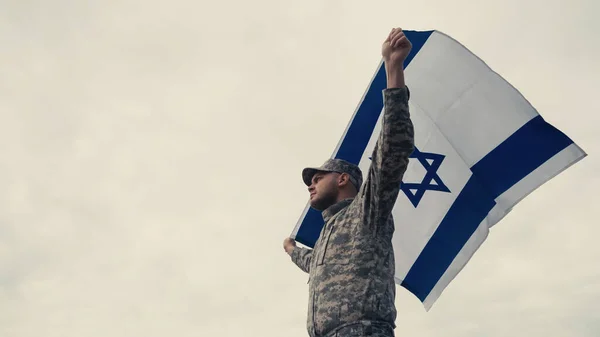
(322, 202)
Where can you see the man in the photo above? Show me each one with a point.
(351, 268)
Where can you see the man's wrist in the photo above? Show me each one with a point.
(395, 75)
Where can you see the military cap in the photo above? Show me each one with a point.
(335, 165)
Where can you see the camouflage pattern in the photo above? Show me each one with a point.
(335, 165)
(365, 328)
(351, 268)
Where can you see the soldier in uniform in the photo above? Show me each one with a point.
(351, 267)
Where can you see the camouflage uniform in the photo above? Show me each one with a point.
(351, 268)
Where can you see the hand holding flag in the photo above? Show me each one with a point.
(396, 47)
(394, 50)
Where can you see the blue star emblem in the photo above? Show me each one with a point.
(431, 181)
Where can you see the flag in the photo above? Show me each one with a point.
(481, 147)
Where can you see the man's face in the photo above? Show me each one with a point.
(323, 190)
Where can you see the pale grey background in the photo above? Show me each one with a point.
(151, 155)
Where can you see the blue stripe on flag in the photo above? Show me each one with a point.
(520, 154)
(537, 141)
(359, 132)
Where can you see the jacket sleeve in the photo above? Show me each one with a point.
(389, 159)
(302, 258)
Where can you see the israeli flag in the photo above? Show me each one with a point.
(480, 149)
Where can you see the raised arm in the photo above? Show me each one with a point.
(396, 139)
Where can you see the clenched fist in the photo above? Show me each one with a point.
(396, 47)
(394, 50)
(288, 245)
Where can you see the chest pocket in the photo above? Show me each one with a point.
(336, 247)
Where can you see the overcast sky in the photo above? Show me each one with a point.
(151, 155)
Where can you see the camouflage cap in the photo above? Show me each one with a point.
(335, 165)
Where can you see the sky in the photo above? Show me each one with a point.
(152, 150)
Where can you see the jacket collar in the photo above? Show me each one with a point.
(335, 208)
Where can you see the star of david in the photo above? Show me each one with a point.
(431, 181)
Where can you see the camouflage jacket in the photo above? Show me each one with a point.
(351, 268)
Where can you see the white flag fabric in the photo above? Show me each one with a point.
(480, 149)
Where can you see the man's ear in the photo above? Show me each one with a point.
(343, 179)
